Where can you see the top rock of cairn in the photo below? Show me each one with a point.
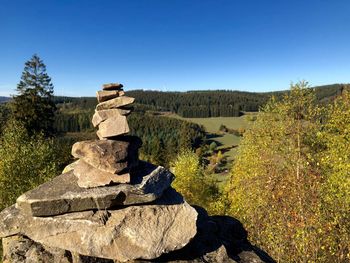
(110, 113)
(112, 86)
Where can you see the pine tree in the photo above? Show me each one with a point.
(34, 105)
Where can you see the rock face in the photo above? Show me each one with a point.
(108, 206)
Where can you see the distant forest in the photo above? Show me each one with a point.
(162, 137)
(4, 99)
(201, 104)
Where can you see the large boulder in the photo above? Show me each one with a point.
(111, 156)
(219, 239)
(63, 194)
(134, 232)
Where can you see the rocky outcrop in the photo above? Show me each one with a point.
(145, 231)
(64, 195)
(110, 207)
(218, 239)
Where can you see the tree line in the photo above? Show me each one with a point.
(201, 104)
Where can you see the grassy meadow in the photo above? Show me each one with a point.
(227, 143)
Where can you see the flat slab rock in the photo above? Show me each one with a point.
(134, 232)
(115, 103)
(102, 115)
(112, 86)
(63, 194)
(111, 156)
(103, 95)
(88, 176)
(113, 127)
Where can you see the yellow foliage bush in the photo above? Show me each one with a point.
(192, 183)
(290, 180)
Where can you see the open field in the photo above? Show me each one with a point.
(227, 142)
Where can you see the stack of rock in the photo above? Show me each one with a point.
(111, 207)
(110, 159)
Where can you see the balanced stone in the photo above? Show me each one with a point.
(134, 232)
(102, 115)
(113, 127)
(111, 156)
(103, 95)
(112, 86)
(63, 194)
(115, 103)
(89, 176)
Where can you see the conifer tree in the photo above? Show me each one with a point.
(34, 105)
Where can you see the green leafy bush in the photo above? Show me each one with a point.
(25, 162)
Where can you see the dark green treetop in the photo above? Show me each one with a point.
(34, 104)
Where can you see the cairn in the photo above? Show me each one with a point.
(110, 159)
(110, 207)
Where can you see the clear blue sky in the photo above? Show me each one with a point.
(259, 45)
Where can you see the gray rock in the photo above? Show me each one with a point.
(63, 194)
(88, 176)
(144, 231)
(102, 115)
(115, 103)
(19, 249)
(113, 127)
(103, 95)
(111, 156)
(219, 239)
(218, 256)
(112, 86)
